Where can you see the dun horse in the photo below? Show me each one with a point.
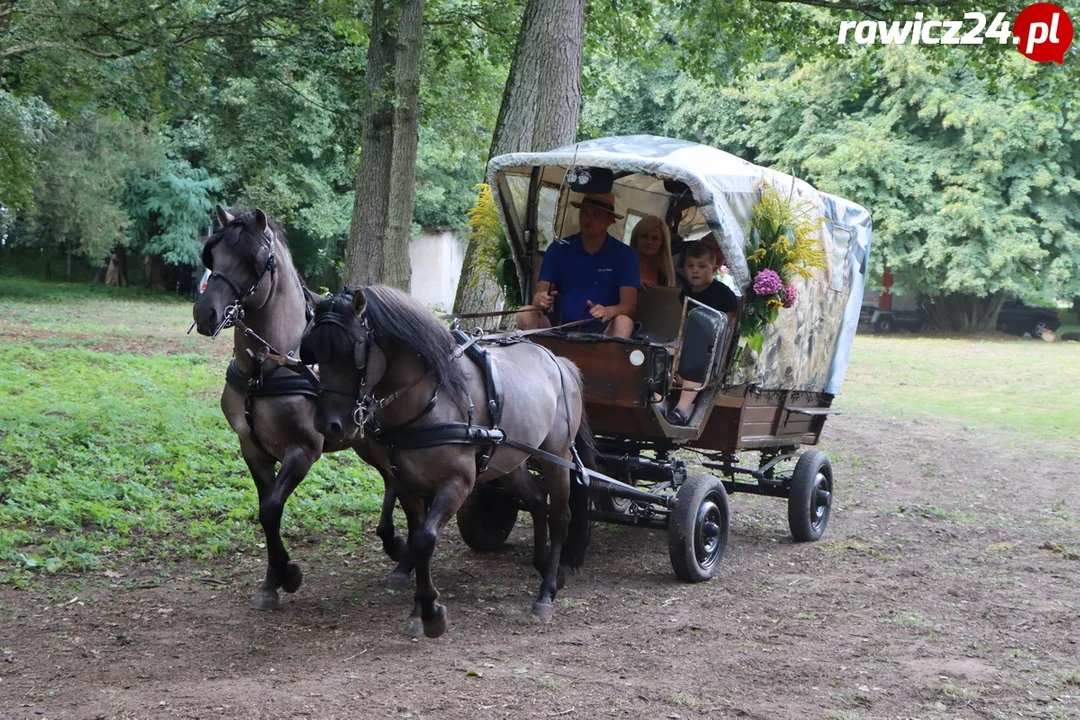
(390, 369)
(253, 273)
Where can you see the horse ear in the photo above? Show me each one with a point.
(359, 302)
(223, 216)
(260, 219)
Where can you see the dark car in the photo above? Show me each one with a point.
(1017, 317)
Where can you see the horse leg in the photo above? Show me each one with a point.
(428, 614)
(558, 486)
(261, 467)
(274, 491)
(393, 544)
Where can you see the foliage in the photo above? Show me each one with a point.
(109, 457)
(23, 124)
(964, 201)
(88, 163)
(783, 243)
(493, 257)
(170, 208)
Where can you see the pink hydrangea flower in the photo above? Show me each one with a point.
(767, 283)
(791, 295)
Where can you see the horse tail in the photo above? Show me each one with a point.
(580, 529)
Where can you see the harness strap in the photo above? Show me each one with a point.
(259, 384)
(492, 382)
(462, 434)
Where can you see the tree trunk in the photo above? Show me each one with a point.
(963, 313)
(378, 249)
(155, 276)
(540, 108)
(116, 274)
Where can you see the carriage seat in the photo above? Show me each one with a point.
(659, 313)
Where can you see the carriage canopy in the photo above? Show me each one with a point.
(699, 189)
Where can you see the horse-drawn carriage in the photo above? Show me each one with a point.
(771, 400)
(424, 406)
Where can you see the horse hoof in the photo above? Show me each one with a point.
(436, 626)
(264, 601)
(398, 581)
(414, 628)
(542, 611)
(293, 578)
(560, 578)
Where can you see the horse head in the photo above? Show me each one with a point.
(242, 257)
(341, 340)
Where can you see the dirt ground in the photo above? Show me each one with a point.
(947, 586)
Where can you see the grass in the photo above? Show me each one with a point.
(110, 457)
(113, 450)
(1028, 388)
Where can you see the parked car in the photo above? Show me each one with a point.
(1017, 317)
(905, 313)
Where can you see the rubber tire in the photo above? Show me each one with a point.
(884, 325)
(1039, 329)
(486, 519)
(806, 517)
(701, 498)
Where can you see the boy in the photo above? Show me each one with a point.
(699, 260)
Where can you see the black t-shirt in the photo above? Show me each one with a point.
(717, 295)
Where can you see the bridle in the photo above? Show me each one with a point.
(235, 310)
(366, 404)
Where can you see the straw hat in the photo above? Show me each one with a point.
(604, 201)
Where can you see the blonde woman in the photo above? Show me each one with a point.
(652, 242)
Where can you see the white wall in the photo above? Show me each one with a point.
(436, 259)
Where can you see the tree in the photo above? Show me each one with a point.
(378, 249)
(23, 124)
(967, 207)
(168, 208)
(79, 200)
(540, 108)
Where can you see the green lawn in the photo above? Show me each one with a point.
(1028, 388)
(113, 449)
(110, 456)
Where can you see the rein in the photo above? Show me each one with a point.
(367, 405)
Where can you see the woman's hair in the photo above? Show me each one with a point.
(667, 268)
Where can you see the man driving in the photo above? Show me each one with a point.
(592, 275)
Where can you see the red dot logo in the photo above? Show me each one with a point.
(1043, 32)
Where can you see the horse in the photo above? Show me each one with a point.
(390, 370)
(272, 410)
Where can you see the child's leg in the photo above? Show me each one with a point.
(680, 414)
(688, 396)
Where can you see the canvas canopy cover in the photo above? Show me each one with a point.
(808, 347)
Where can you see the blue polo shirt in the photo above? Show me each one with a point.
(579, 277)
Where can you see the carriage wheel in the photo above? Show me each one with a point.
(698, 528)
(485, 519)
(810, 500)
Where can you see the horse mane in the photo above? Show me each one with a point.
(398, 319)
(404, 320)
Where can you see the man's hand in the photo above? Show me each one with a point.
(544, 299)
(600, 312)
